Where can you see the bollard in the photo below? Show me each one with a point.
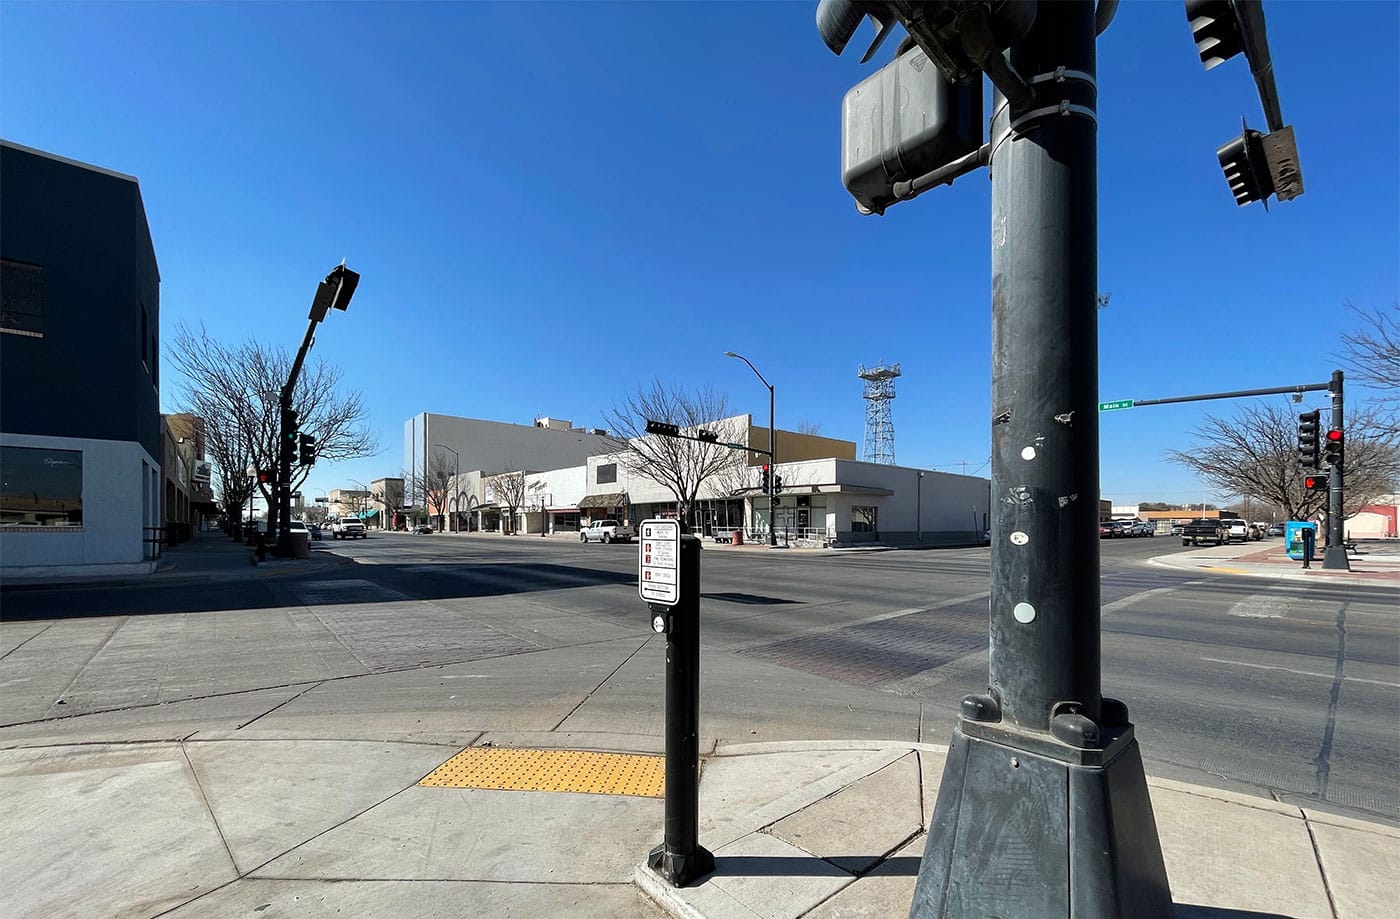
(669, 580)
(1309, 545)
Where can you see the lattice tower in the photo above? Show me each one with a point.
(879, 429)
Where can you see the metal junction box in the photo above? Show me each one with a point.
(902, 122)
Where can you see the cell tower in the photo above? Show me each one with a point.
(879, 429)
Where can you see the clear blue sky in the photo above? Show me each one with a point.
(551, 203)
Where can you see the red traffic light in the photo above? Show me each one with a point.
(1334, 436)
(1315, 482)
(765, 467)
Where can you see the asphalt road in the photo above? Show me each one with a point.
(1278, 687)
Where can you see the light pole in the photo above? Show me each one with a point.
(772, 455)
(456, 471)
(332, 293)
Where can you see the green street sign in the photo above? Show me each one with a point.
(1119, 403)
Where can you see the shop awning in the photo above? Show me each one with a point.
(602, 501)
(368, 515)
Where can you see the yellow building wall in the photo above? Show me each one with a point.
(793, 447)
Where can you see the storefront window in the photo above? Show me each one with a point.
(41, 487)
(864, 519)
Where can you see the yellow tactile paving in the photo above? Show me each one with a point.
(509, 769)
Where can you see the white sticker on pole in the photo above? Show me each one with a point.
(659, 562)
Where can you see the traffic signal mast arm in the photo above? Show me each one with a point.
(666, 429)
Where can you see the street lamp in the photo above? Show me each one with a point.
(772, 456)
(456, 471)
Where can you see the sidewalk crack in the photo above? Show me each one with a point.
(208, 807)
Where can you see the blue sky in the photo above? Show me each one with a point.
(550, 204)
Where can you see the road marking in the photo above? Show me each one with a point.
(1324, 676)
(1226, 570)
(1259, 606)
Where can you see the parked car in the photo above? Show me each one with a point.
(1111, 529)
(315, 529)
(606, 531)
(1144, 528)
(348, 528)
(425, 529)
(1275, 529)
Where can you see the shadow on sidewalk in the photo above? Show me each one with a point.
(1192, 911)
(765, 866)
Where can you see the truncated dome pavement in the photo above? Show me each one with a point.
(583, 771)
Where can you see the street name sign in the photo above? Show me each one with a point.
(1117, 403)
(659, 562)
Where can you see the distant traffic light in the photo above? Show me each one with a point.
(306, 450)
(665, 429)
(766, 483)
(264, 477)
(1334, 447)
(1308, 429)
(777, 484)
(708, 437)
(1315, 482)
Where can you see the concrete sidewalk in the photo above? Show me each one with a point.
(1376, 563)
(207, 557)
(236, 823)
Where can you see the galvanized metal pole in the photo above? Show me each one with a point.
(1043, 808)
(1335, 557)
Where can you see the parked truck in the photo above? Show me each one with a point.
(1204, 530)
(606, 531)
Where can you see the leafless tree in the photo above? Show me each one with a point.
(508, 489)
(680, 466)
(1372, 357)
(437, 484)
(809, 427)
(235, 389)
(1255, 454)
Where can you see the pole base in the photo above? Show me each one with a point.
(1335, 558)
(680, 869)
(1018, 832)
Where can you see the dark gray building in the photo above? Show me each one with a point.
(80, 441)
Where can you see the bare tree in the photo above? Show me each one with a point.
(678, 465)
(235, 389)
(436, 484)
(1255, 454)
(508, 489)
(809, 427)
(1372, 356)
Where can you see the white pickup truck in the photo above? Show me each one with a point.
(348, 528)
(606, 531)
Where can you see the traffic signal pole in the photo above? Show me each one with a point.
(286, 446)
(1335, 557)
(1043, 809)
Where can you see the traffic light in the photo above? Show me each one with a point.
(708, 437)
(306, 450)
(1333, 447)
(1216, 30)
(1256, 164)
(264, 477)
(777, 484)
(1307, 439)
(663, 428)
(288, 434)
(1315, 482)
(1246, 167)
(904, 121)
(765, 478)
